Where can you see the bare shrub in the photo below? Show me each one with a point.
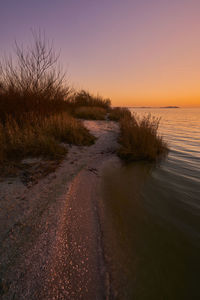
(32, 81)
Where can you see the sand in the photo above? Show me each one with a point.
(51, 238)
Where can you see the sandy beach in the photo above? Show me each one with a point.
(51, 239)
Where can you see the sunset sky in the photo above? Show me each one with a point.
(136, 52)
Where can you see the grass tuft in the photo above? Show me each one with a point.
(90, 113)
(84, 98)
(35, 136)
(139, 139)
(117, 113)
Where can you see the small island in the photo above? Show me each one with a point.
(153, 107)
(171, 106)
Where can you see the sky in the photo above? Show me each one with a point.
(135, 52)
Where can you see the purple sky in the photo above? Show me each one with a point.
(144, 52)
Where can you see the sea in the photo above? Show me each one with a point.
(152, 222)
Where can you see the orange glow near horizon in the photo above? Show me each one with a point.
(151, 59)
(137, 53)
(144, 95)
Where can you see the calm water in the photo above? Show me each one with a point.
(152, 223)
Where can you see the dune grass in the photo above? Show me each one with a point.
(33, 120)
(84, 105)
(33, 102)
(90, 113)
(36, 136)
(139, 139)
(84, 98)
(117, 113)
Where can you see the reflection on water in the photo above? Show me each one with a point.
(152, 224)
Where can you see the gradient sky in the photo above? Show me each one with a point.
(136, 52)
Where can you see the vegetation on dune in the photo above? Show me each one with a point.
(32, 81)
(117, 113)
(33, 135)
(37, 111)
(84, 98)
(90, 113)
(139, 139)
(84, 105)
(33, 104)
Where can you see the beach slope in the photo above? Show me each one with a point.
(50, 231)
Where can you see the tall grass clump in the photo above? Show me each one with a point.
(36, 136)
(66, 129)
(84, 98)
(139, 139)
(90, 113)
(118, 113)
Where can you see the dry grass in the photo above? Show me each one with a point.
(35, 136)
(117, 113)
(90, 113)
(84, 98)
(32, 81)
(33, 101)
(139, 139)
(33, 121)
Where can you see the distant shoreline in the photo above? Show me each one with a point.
(153, 107)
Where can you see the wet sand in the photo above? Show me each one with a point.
(51, 240)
